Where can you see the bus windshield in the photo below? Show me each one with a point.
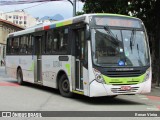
(119, 47)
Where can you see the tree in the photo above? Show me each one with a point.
(106, 6)
(157, 40)
(148, 11)
(79, 13)
(143, 9)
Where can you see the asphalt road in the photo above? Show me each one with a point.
(29, 97)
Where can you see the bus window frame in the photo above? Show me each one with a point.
(54, 30)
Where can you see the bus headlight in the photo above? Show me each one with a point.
(98, 76)
(147, 74)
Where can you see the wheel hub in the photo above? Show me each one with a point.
(65, 85)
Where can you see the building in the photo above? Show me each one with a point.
(19, 17)
(6, 27)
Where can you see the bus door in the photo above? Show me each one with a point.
(38, 59)
(79, 57)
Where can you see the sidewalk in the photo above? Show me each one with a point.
(2, 67)
(155, 91)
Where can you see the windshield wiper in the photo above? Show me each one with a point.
(132, 38)
(106, 27)
(138, 48)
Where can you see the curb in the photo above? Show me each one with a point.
(157, 87)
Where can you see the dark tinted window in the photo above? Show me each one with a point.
(20, 45)
(56, 41)
(23, 45)
(30, 44)
(14, 45)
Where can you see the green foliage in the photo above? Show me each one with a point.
(106, 6)
(143, 9)
(79, 13)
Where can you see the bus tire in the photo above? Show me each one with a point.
(20, 77)
(64, 87)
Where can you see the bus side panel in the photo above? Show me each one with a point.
(24, 62)
(86, 81)
(11, 66)
(48, 71)
(51, 65)
(27, 65)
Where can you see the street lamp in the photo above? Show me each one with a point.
(74, 6)
(71, 2)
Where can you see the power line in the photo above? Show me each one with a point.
(29, 7)
(11, 2)
(26, 8)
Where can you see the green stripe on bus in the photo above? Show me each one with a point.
(64, 23)
(123, 80)
(78, 92)
(32, 67)
(119, 15)
(68, 67)
(67, 22)
(59, 24)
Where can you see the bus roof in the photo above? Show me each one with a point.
(63, 23)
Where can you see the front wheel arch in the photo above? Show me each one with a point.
(20, 76)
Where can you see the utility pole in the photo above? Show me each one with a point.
(74, 8)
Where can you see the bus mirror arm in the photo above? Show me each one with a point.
(87, 34)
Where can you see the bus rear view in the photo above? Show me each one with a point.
(120, 56)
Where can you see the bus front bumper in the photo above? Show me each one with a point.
(99, 89)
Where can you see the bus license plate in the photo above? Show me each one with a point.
(127, 88)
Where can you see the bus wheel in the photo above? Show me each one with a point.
(64, 87)
(20, 77)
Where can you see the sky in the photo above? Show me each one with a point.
(40, 10)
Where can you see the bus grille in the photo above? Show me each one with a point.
(127, 83)
(118, 90)
(133, 73)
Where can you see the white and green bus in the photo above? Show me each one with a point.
(92, 54)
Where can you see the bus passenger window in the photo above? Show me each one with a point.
(15, 46)
(23, 45)
(63, 43)
(50, 42)
(55, 44)
(30, 45)
(61, 47)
